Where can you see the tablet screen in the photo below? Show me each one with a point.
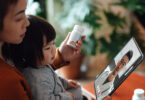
(118, 69)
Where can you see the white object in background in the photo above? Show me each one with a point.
(75, 35)
(138, 94)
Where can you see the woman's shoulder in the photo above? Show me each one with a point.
(8, 71)
(9, 75)
(12, 82)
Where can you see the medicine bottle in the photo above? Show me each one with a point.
(75, 35)
(138, 94)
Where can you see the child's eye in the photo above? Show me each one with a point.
(53, 43)
(47, 48)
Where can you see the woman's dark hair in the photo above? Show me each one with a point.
(129, 54)
(4, 7)
(30, 50)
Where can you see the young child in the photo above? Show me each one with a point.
(38, 54)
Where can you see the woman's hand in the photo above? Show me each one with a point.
(72, 84)
(68, 53)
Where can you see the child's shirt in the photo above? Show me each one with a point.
(46, 85)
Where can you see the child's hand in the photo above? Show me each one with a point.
(72, 84)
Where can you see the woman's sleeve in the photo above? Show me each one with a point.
(58, 61)
(14, 90)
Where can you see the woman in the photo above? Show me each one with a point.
(13, 23)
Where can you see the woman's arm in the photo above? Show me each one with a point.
(66, 53)
(58, 61)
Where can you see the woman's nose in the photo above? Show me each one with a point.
(27, 22)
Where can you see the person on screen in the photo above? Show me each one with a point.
(108, 79)
(120, 66)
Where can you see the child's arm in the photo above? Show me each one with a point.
(47, 91)
(68, 83)
(72, 87)
(63, 81)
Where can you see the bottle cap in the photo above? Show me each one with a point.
(79, 28)
(139, 92)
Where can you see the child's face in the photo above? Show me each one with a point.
(49, 51)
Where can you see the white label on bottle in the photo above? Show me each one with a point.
(73, 39)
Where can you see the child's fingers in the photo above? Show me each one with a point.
(75, 84)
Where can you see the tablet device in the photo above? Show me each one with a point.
(123, 64)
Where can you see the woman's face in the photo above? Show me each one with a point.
(15, 23)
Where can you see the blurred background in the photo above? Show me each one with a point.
(108, 25)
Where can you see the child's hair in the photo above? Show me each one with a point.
(30, 50)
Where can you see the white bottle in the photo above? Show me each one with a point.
(138, 94)
(75, 35)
